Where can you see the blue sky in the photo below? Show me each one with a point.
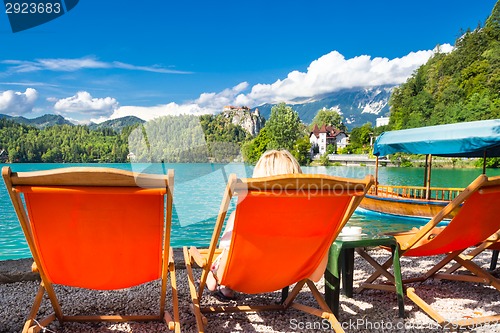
(107, 59)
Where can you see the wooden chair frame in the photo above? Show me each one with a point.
(459, 256)
(98, 177)
(204, 257)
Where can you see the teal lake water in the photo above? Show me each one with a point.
(198, 193)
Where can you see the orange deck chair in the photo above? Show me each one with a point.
(477, 222)
(95, 228)
(283, 227)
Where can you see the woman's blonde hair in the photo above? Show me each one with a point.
(276, 162)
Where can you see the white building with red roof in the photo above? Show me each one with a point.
(320, 138)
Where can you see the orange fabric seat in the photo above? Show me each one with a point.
(261, 242)
(105, 234)
(460, 233)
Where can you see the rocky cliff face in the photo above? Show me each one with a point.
(250, 120)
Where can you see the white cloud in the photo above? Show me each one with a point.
(30, 83)
(84, 103)
(207, 103)
(72, 65)
(154, 68)
(329, 73)
(152, 112)
(333, 72)
(64, 65)
(216, 101)
(445, 48)
(78, 121)
(16, 103)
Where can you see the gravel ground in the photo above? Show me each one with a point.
(369, 311)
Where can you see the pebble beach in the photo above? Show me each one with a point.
(369, 311)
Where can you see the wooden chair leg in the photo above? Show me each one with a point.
(324, 311)
(200, 322)
(175, 302)
(34, 309)
(410, 292)
(31, 324)
(375, 274)
(466, 323)
(479, 272)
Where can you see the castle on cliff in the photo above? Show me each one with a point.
(252, 122)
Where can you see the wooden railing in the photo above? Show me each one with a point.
(416, 192)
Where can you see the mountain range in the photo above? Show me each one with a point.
(357, 106)
(51, 119)
(117, 124)
(40, 122)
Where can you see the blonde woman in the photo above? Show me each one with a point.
(271, 163)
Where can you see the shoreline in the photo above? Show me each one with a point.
(440, 162)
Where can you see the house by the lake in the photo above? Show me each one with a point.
(320, 138)
(382, 121)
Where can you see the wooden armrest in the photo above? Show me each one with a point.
(198, 258)
(495, 237)
(171, 262)
(205, 252)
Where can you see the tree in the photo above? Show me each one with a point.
(454, 87)
(360, 136)
(328, 117)
(324, 160)
(331, 148)
(283, 127)
(302, 150)
(252, 150)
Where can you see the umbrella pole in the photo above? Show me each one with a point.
(484, 162)
(376, 175)
(425, 171)
(428, 178)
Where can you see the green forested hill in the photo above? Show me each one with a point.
(61, 143)
(170, 138)
(187, 138)
(117, 124)
(463, 85)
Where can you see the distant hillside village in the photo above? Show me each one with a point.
(320, 137)
(382, 121)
